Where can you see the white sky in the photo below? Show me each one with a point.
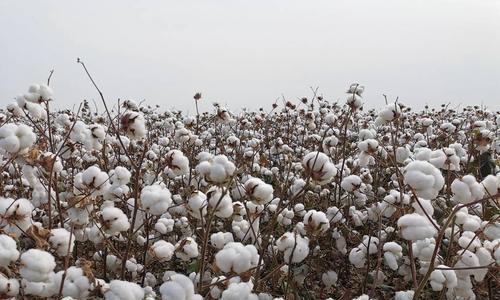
(248, 53)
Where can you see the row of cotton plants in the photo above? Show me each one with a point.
(305, 200)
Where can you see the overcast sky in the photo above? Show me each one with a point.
(248, 53)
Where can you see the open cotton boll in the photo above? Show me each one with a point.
(155, 199)
(91, 180)
(354, 101)
(468, 240)
(62, 241)
(222, 204)
(392, 252)
(424, 178)
(36, 265)
(402, 154)
(220, 239)
(16, 138)
(15, 215)
(186, 249)
(443, 278)
(466, 189)
(258, 191)
(415, 227)
(76, 284)
(467, 259)
(162, 250)
(491, 185)
(316, 221)
(329, 278)
(114, 220)
(123, 290)
(9, 286)
(289, 242)
(404, 295)
(239, 291)
(318, 166)
(8, 250)
(178, 287)
(43, 289)
(351, 183)
(216, 170)
(120, 176)
(236, 257)
(485, 259)
(133, 124)
(197, 204)
(177, 163)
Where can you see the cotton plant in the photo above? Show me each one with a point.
(259, 204)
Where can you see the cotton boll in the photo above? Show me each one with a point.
(415, 227)
(221, 203)
(9, 286)
(392, 252)
(15, 215)
(316, 221)
(123, 290)
(40, 289)
(466, 189)
(289, 242)
(162, 250)
(217, 169)
(258, 191)
(467, 259)
(91, 180)
(178, 287)
(443, 278)
(236, 257)
(197, 204)
(239, 291)
(133, 124)
(8, 250)
(404, 295)
(114, 220)
(120, 176)
(329, 278)
(220, 239)
(76, 284)
(177, 163)
(164, 225)
(490, 185)
(357, 257)
(155, 199)
(62, 241)
(186, 249)
(469, 241)
(424, 178)
(36, 265)
(318, 166)
(351, 183)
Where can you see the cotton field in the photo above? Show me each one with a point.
(304, 199)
